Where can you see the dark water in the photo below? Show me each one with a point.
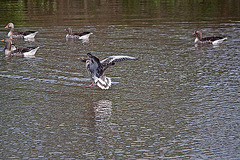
(177, 101)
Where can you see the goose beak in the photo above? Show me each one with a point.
(6, 27)
(194, 33)
(89, 55)
(82, 59)
(2, 40)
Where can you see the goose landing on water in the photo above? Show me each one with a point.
(96, 69)
(207, 40)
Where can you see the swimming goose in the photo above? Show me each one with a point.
(83, 35)
(207, 40)
(12, 51)
(24, 34)
(96, 68)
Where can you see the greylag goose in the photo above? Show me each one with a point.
(96, 68)
(24, 34)
(207, 40)
(83, 35)
(12, 51)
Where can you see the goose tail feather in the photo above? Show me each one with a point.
(31, 53)
(103, 82)
(219, 41)
(31, 35)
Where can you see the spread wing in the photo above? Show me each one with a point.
(114, 59)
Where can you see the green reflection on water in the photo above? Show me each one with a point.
(12, 10)
(26, 12)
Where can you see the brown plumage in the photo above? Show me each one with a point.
(11, 50)
(207, 40)
(23, 34)
(77, 35)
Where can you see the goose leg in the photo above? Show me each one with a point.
(93, 84)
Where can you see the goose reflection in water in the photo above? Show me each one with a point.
(103, 110)
(103, 128)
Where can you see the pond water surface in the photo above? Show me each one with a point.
(177, 101)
